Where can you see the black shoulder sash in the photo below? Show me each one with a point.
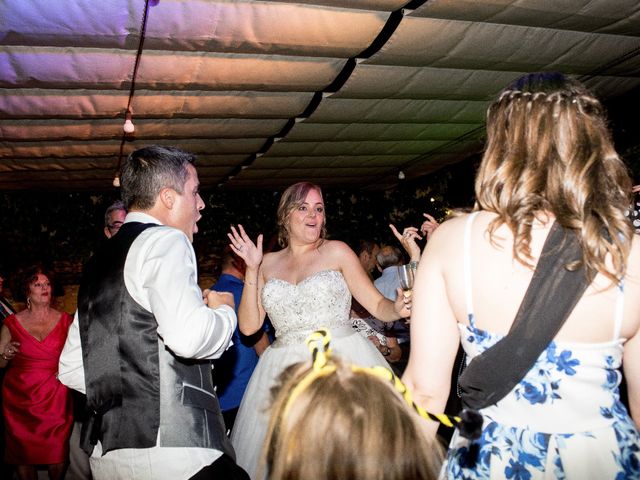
(552, 294)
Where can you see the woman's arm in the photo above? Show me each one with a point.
(631, 356)
(434, 332)
(8, 349)
(363, 289)
(250, 312)
(631, 365)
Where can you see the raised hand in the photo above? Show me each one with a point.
(244, 247)
(408, 240)
(429, 225)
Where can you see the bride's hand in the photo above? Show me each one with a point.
(402, 305)
(244, 247)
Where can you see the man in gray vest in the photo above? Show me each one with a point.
(143, 335)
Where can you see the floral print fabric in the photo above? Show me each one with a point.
(563, 420)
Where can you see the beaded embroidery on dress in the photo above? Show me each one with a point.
(295, 310)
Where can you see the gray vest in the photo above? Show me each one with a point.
(138, 391)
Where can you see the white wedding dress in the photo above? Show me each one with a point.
(320, 300)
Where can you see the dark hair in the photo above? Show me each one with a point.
(291, 199)
(230, 259)
(150, 169)
(28, 276)
(117, 205)
(366, 246)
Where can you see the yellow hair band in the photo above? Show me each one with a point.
(318, 342)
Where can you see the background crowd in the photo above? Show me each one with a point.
(551, 193)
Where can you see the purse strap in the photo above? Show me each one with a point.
(552, 294)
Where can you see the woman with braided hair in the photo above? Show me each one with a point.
(540, 285)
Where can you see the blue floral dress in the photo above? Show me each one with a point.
(563, 420)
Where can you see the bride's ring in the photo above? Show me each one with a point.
(239, 247)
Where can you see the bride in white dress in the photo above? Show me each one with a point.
(306, 285)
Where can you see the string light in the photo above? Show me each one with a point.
(128, 126)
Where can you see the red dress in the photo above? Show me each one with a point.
(37, 408)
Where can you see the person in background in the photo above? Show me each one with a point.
(361, 320)
(79, 467)
(389, 258)
(114, 218)
(550, 180)
(233, 369)
(315, 403)
(142, 339)
(367, 251)
(306, 285)
(389, 282)
(37, 407)
(6, 308)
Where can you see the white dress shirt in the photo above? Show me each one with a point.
(160, 273)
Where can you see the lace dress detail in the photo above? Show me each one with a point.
(295, 310)
(564, 419)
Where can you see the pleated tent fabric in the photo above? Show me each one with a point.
(342, 93)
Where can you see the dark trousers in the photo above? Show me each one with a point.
(230, 418)
(222, 469)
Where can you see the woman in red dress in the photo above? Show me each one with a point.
(37, 407)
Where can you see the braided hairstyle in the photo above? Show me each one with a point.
(549, 150)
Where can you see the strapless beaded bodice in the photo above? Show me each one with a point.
(320, 300)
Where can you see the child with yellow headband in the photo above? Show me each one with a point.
(333, 420)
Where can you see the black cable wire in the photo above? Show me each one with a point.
(134, 75)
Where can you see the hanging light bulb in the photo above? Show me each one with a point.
(401, 175)
(128, 126)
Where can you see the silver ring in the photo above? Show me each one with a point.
(239, 248)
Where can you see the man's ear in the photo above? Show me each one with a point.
(167, 197)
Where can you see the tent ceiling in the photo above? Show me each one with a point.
(339, 92)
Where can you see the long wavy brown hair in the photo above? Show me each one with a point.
(549, 150)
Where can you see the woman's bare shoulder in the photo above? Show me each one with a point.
(633, 261)
(452, 227)
(336, 249)
(335, 245)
